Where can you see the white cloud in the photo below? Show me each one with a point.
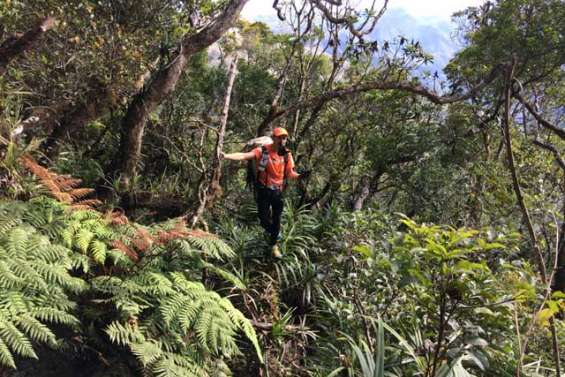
(256, 9)
(441, 9)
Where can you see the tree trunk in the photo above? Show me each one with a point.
(369, 187)
(264, 126)
(165, 81)
(75, 117)
(208, 191)
(15, 46)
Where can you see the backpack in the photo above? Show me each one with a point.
(253, 169)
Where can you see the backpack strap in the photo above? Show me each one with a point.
(284, 169)
(263, 161)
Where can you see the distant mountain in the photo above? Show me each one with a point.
(434, 34)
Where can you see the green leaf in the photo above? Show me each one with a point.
(364, 250)
(543, 316)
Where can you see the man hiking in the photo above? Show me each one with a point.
(274, 165)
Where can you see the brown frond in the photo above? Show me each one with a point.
(80, 207)
(66, 182)
(61, 187)
(201, 234)
(117, 217)
(125, 249)
(81, 193)
(88, 202)
(61, 196)
(167, 236)
(180, 225)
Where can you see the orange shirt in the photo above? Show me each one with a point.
(274, 171)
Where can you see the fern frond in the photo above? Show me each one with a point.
(212, 247)
(6, 357)
(99, 251)
(176, 365)
(124, 334)
(24, 271)
(83, 238)
(49, 253)
(15, 243)
(81, 193)
(16, 340)
(14, 302)
(36, 330)
(244, 324)
(86, 205)
(121, 246)
(54, 315)
(157, 283)
(226, 275)
(147, 352)
(80, 261)
(7, 278)
(67, 183)
(118, 258)
(8, 223)
(84, 216)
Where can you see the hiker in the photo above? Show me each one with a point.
(274, 165)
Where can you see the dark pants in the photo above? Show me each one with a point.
(270, 208)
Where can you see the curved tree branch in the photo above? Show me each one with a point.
(553, 150)
(384, 85)
(13, 47)
(558, 131)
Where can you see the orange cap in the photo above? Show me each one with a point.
(279, 131)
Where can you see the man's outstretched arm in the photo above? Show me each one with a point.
(238, 156)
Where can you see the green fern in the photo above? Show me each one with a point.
(172, 325)
(34, 287)
(187, 312)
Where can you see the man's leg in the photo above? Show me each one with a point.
(277, 204)
(263, 210)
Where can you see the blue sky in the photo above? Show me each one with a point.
(426, 21)
(420, 9)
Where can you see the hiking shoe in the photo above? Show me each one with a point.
(276, 252)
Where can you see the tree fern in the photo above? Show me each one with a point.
(172, 325)
(6, 357)
(187, 312)
(35, 283)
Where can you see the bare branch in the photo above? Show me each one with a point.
(279, 10)
(558, 131)
(553, 150)
(384, 85)
(18, 45)
(210, 189)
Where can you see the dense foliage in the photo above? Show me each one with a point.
(428, 240)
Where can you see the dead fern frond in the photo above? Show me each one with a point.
(117, 217)
(88, 202)
(197, 233)
(81, 193)
(167, 236)
(80, 207)
(117, 244)
(61, 187)
(61, 196)
(66, 182)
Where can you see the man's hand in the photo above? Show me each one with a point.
(222, 155)
(305, 174)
